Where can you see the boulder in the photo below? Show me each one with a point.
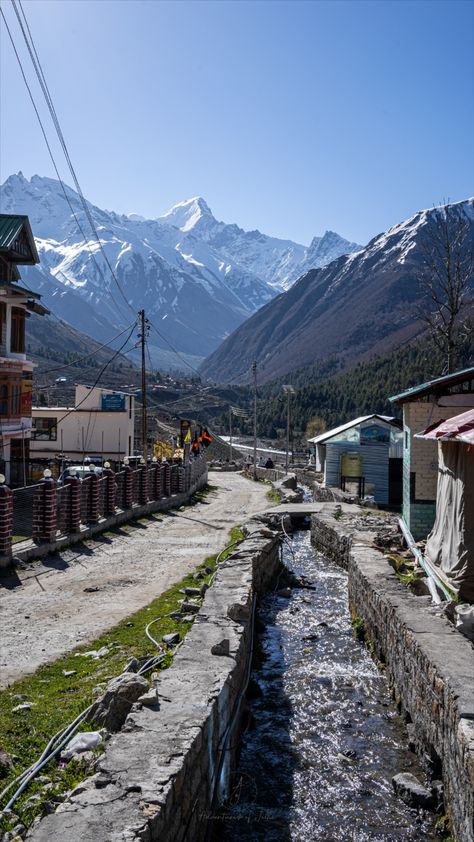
(113, 707)
(6, 763)
(412, 791)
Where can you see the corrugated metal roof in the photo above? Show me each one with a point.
(329, 434)
(431, 385)
(459, 428)
(10, 228)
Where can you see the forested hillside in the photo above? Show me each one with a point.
(336, 398)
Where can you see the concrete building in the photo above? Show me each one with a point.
(100, 425)
(424, 405)
(364, 456)
(17, 247)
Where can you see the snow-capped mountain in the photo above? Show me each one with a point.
(198, 279)
(363, 303)
(277, 262)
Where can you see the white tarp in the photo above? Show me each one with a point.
(450, 544)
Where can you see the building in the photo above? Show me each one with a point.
(450, 544)
(17, 247)
(100, 426)
(363, 455)
(424, 405)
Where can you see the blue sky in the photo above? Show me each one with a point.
(290, 117)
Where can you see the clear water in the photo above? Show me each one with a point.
(324, 739)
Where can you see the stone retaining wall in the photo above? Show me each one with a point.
(429, 665)
(157, 776)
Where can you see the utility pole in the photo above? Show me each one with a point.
(230, 433)
(144, 420)
(254, 372)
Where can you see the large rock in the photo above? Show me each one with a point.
(412, 791)
(113, 707)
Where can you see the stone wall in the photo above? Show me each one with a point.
(157, 777)
(428, 664)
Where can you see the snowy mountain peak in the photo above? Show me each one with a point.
(186, 215)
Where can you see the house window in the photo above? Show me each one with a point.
(18, 331)
(10, 398)
(3, 321)
(44, 429)
(15, 398)
(4, 413)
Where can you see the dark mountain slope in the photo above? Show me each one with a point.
(364, 302)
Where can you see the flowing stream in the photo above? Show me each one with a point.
(324, 738)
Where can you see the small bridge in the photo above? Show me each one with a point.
(312, 508)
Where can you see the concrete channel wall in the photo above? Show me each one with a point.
(158, 775)
(428, 664)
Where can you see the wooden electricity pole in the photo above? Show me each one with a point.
(144, 419)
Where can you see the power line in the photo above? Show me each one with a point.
(86, 356)
(104, 367)
(49, 102)
(53, 160)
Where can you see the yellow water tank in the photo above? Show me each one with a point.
(351, 464)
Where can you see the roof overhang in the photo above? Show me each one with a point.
(436, 386)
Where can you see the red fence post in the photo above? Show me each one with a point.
(166, 468)
(143, 485)
(73, 517)
(6, 520)
(127, 487)
(93, 502)
(110, 490)
(45, 509)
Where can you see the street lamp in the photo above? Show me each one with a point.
(288, 391)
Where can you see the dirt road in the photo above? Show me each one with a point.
(45, 610)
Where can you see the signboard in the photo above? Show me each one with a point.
(374, 434)
(113, 403)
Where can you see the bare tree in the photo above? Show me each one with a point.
(446, 280)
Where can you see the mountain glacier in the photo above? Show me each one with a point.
(197, 279)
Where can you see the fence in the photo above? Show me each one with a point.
(50, 510)
(22, 499)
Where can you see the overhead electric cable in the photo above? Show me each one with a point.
(49, 102)
(91, 354)
(44, 87)
(104, 368)
(53, 160)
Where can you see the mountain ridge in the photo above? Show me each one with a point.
(361, 302)
(196, 285)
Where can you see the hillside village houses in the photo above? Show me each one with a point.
(17, 247)
(423, 405)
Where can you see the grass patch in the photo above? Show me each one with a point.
(274, 495)
(57, 699)
(358, 628)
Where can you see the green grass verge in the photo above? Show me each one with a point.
(57, 699)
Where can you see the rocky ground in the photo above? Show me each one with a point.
(69, 598)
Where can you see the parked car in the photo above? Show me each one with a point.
(81, 471)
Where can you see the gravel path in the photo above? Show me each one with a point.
(45, 609)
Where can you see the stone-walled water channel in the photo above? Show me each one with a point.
(324, 738)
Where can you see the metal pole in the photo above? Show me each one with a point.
(287, 429)
(230, 433)
(254, 372)
(144, 420)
